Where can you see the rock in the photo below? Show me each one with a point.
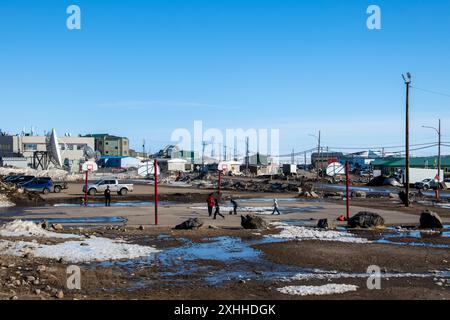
(322, 224)
(31, 278)
(253, 222)
(192, 223)
(60, 294)
(359, 194)
(430, 220)
(57, 227)
(393, 196)
(366, 220)
(213, 227)
(37, 291)
(142, 228)
(45, 225)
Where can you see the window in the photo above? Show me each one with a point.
(30, 147)
(81, 146)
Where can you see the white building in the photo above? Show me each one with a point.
(72, 148)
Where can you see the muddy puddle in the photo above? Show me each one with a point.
(114, 204)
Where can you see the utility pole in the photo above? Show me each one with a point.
(407, 79)
(319, 158)
(203, 155)
(225, 153)
(293, 157)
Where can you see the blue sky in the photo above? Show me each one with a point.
(145, 68)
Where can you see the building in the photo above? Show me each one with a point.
(322, 160)
(109, 145)
(118, 162)
(72, 148)
(388, 166)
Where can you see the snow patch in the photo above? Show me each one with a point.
(303, 233)
(19, 228)
(327, 289)
(94, 249)
(4, 202)
(332, 275)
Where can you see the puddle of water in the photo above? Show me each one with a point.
(87, 220)
(280, 200)
(114, 204)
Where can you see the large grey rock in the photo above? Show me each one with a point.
(192, 223)
(366, 220)
(253, 222)
(322, 224)
(430, 220)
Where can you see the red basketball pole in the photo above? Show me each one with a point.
(86, 189)
(155, 169)
(347, 190)
(220, 181)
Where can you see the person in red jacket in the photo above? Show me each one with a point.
(210, 201)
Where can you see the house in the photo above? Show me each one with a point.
(392, 165)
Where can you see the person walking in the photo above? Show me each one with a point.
(210, 201)
(235, 205)
(275, 207)
(217, 212)
(108, 197)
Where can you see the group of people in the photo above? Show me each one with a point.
(213, 204)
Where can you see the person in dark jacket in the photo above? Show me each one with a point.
(211, 202)
(217, 212)
(235, 205)
(108, 197)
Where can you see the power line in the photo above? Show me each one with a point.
(432, 92)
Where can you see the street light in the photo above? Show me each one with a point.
(438, 130)
(407, 79)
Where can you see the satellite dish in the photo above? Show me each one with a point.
(54, 149)
(334, 169)
(147, 169)
(89, 153)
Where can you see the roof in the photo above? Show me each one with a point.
(414, 162)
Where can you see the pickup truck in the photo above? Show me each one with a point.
(114, 185)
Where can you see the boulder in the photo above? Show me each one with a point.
(359, 194)
(322, 224)
(57, 227)
(253, 222)
(430, 220)
(192, 223)
(366, 220)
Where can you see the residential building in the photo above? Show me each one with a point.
(109, 145)
(392, 165)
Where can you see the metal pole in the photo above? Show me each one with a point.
(407, 146)
(439, 162)
(155, 169)
(318, 158)
(86, 189)
(220, 182)
(347, 189)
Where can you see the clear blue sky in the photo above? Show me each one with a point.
(144, 68)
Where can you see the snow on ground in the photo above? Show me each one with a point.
(94, 249)
(332, 275)
(4, 202)
(82, 250)
(327, 289)
(257, 210)
(304, 233)
(19, 228)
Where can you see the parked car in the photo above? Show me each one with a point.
(447, 183)
(114, 186)
(58, 186)
(42, 185)
(426, 184)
